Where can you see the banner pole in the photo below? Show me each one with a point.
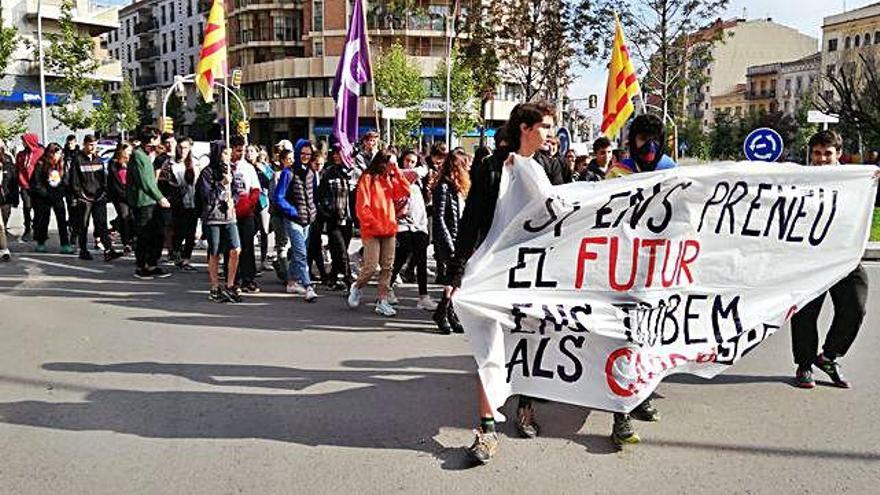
(370, 59)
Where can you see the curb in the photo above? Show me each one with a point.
(872, 252)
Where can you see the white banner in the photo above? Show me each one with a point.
(591, 293)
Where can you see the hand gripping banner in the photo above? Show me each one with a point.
(591, 293)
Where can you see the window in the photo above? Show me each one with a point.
(173, 41)
(128, 28)
(318, 15)
(192, 64)
(867, 39)
(165, 70)
(786, 106)
(847, 43)
(189, 8)
(832, 45)
(318, 48)
(171, 13)
(877, 38)
(129, 54)
(857, 41)
(283, 27)
(163, 16)
(201, 33)
(788, 84)
(189, 35)
(164, 43)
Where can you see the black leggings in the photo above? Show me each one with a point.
(185, 221)
(43, 208)
(415, 244)
(315, 249)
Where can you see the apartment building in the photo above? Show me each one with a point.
(849, 35)
(289, 49)
(20, 85)
(156, 41)
(745, 44)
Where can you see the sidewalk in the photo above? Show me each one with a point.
(872, 252)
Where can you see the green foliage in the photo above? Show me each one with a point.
(480, 53)
(104, 115)
(399, 84)
(127, 106)
(464, 116)
(205, 116)
(8, 43)
(724, 142)
(175, 111)
(875, 226)
(697, 139)
(144, 111)
(10, 131)
(854, 97)
(235, 113)
(70, 56)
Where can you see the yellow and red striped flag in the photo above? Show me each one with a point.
(212, 59)
(622, 86)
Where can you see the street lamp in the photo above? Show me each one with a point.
(42, 71)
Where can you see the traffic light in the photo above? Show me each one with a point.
(244, 127)
(592, 101)
(168, 124)
(236, 78)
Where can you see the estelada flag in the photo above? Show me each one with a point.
(622, 86)
(212, 59)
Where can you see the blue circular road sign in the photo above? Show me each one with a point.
(763, 145)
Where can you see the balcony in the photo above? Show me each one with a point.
(146, 26)
(145, 81)
(146, 52)
(94, 18)
(386, 21)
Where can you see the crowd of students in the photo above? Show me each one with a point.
(400, 202)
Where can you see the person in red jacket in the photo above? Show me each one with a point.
(25, 163)
(378, 188)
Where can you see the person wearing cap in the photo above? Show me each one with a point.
(88, 183)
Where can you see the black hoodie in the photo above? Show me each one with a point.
(88, 180)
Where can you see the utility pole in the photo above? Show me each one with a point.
(42, 72)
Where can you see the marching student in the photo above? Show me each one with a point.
(25, 163)
(88, 184)
(332, 202)
(185, 216)
(146, 201)
(247, 197)
(8, 197)
(47, 195)
(849, 296)
(117, 178)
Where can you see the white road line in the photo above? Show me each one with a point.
(61, 265)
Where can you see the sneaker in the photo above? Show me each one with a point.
(484, 448)
(384, 308)
(311, 296)
(526, 423)
(354, 297)
(26, 237)
(803, 377)
(426, 303)
(231, 294)
(5, 255)
(392, 298)
(454, 322)
(184, 266)
(111, 255)
(646, 412)
(160, 272)
(266, 266)
(66, 249)
(622, 432)
(40, 248)
(216, 295)
(126, 249)
(143, 274)
(250, 288)
(85, 255)
(831, 368)
(295, 288)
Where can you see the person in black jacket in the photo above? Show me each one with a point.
(8, 197)
(48, 193)
(451, 187)
(70, 150)
(333, 207)
(88, 182)
(117, 178)
(548, 157)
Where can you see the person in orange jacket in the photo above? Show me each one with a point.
(381, 185)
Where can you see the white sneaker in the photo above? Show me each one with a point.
(311, 296)
(426, 303)
(385, 309)
(295, 288)
(392, 298)
(354, 297)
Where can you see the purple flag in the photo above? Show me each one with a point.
(353, 70)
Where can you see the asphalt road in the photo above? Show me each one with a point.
(112, 385)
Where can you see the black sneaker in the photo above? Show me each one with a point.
(803, 377)
(250, 288)
(831, 368)
(232, 295)
(216, 295)
(454, 321)
(485, 446)
(143, 274)
(160, 272)
(85, 255)
(622, 433)
(111, 255)
(646, 412)
(526, 423)
(186, 267)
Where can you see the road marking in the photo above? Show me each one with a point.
(61, 265)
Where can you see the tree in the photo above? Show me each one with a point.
(144, 111)
(534, 50)
(399, 84)
(855, 98)
(205, 118)
(127, 106)
(9, 131)
(463, 115)
(105, 114)
(8, 43)
(235, 113)
(480, 54)
(70, 57)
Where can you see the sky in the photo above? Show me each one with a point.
(803, 15)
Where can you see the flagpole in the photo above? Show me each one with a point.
(226, 108)
(450, 23)
(370, 60)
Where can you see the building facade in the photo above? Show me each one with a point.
(156, 41)
(797, 83)
(20, 85)
(848, 36)
(744, 44)
(289, 50)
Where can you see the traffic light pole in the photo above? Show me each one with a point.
(181, 81)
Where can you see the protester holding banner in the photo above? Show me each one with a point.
(849, 297)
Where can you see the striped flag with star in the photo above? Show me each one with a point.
(212, 59)
(623, 86)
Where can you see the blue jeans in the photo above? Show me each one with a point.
(298, 265)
